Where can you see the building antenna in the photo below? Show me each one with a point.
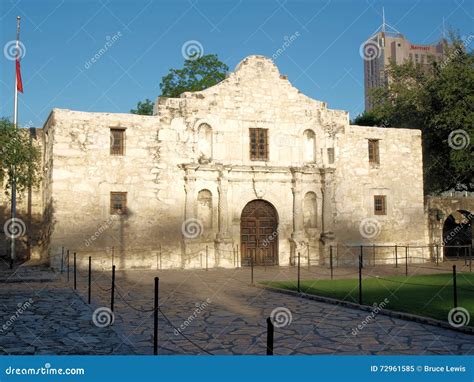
(386, 27)
(383, 19)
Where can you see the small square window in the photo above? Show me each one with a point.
(118, 203)
(374, 156)
(258, 144)
(380, 205)
(117, 141)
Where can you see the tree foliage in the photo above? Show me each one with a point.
(439, 100)
(143, 108)
(197, 74)
(19, 158)
(367, 118)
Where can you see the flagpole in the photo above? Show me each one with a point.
(15, 124)
(15, 105)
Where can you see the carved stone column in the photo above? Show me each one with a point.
(327, 233)
(298, 239)
(224, 248)
(190, 203)
(298, 217)
(328, 197)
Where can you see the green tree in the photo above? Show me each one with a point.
(143, 108)
(439, 100)
(197, 74)
(19, 158)
(367, 118)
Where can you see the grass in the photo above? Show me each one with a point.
(433, 298)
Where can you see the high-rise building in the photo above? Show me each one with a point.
(386, 45)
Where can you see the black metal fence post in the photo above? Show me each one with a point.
(112, 289)
(299, 271)
(309, 261)
(406, 260)
(155, 319)
(270, 336)
(455, 291)
(62, 259)
(330, 261)
(361, 259)
(437, 254)
(396, 256)
(90, 280)
(75, 271)
(470, 257)
(68, 265)
(251, 269)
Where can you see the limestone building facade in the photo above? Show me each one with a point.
(247, 170)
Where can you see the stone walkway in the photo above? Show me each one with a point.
(217, 310)
(39, 314)
(222, 314)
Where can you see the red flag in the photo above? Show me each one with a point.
(19, 84)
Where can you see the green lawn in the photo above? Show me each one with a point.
(434, 299)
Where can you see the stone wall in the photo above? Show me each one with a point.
(198, 145)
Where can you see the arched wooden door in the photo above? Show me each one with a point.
(259, 233)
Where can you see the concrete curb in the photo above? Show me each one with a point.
(368, 308)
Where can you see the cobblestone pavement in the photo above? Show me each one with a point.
(39, 314)
(222, 314)
(216, 310)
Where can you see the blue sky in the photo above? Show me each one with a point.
(146, 39)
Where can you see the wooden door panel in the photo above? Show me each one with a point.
(259, 239)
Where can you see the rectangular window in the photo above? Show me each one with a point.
(258, 144)
(118, 203)
(330, 155)
(380, 205)
(117, 141)
(374, 157)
